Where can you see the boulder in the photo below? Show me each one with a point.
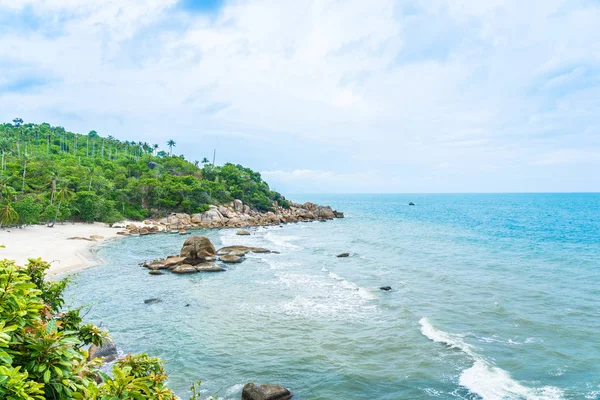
(172, 262)
(338, 214)
(243, 232)
(184, 232)
(144, 232)
(196, 218)
(241, 250)
(184, 269)
(211, 216)
(232, 259)
(152, 301)
(156, 272)
(411, 204)
(325, 212)
(107, 350)
(196, 248)
(208, 267)
(343, 255)
(310, 206)
(385, 288)
(238, 206)
(265, 392)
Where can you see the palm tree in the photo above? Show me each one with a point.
(205, 160)
(196, 163)
(171, 143)
(4, 146)
(25, 159)
(8, 215)
(63, 194)
(154, 148)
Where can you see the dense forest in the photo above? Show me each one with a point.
(48, 174)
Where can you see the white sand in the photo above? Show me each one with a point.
(53, 245)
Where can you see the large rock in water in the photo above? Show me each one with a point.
(265, 392)
(197, 249)
(108, 350)
(241, 250)
(325, 212)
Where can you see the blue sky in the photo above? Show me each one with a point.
(325, 96)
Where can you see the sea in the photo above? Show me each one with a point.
(494, 296)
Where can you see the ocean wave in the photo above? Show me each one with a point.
(282, 242)
(483, 378)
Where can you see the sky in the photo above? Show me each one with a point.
(324, 96)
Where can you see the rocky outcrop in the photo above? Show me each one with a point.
(107, 350)
(197, 249)
(232, 215)
(265, 392)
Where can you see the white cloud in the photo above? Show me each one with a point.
(392, 89)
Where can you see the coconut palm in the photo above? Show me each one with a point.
(171, 143)
(8, 215)
(63, 194)
(154, 148)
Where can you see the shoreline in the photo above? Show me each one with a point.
(67, 247)
(70, 247)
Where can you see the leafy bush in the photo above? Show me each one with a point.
(41, 355)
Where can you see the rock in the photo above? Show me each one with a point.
(184, 269)
(118, 225)
(196, 248)
(310, 206)
(338, 214)
(232, 259)
(209, 267)
(325, 212)
(343, 255)
(174, 232)
(156, 272)
(107, 350)
(151, 164)
(144, 232)
(386, 288)
(241, 249)
(184, 232)
(152, 301)
(238, 206)
(96, 237)
(123, 233)
(265, 392)
(211, 216)
(411, 204)
(243, 232)
(80, 238)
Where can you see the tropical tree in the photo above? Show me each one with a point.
(8, 215)
(63, 195)
(205, 160)
(171, 143)
(154, 148)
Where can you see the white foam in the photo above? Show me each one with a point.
(282, 241)
(485, 379)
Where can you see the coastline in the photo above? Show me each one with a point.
(54, 245)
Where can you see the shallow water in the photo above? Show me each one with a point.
(495, 297)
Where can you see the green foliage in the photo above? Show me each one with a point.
(93, 178)
(40, 347)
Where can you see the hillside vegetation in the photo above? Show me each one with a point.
(48, 174)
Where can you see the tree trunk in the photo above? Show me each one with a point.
(57, 211)
(24, 172)
(53, 190)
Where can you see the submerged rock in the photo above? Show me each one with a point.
(108, 350)
(232, 259)
(343, 255)
(265, 392)
(243, 232)
(241, 250)
(338, 214)
(411, 204)
(386, 288)
(156, 272)
(152, 301)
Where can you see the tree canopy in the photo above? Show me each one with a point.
(48, 174)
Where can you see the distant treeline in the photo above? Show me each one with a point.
(48, 174)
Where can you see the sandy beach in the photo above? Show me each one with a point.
(53, 245)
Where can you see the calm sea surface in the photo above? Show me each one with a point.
(494, 297)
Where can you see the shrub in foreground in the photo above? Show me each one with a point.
(42, 353)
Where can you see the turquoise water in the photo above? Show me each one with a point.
(495, 297)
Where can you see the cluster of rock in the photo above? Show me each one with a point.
(233, 215)
(199, 255)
